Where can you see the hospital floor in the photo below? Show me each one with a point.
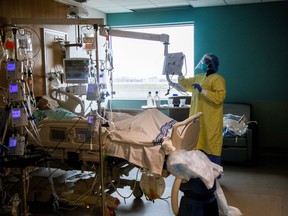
(260, 190)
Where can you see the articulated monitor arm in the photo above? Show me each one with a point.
(164, 38)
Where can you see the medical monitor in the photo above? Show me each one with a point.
(76, 70)
(173, 63)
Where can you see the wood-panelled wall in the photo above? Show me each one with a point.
(33, 9)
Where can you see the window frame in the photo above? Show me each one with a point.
(152, 85)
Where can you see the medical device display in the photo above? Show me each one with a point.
(15, 92)
(19, 117)
(58, 134)
(173, 63)
(17, 145)
(76, 70)
(61, 134)
(14, 70)
(91, 123)
(77, 135)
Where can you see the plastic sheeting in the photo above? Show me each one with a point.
(193, 164)
(234, 125)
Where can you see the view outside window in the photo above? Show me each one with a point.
(138, 64)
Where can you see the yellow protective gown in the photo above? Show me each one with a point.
(210, 137)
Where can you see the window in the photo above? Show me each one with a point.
(138, 64)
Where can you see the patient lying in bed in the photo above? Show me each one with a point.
(48, 108)
(138, 139)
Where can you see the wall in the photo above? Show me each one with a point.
(251, 42)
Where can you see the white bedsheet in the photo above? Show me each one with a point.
(132, 140)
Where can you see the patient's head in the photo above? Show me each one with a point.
(46, 103)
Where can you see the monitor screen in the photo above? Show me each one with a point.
(13, 88)
(57, 134)
(76, 70)
(12, 142)
(16, 113)
(11, 66)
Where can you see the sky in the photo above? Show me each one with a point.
(135, 58)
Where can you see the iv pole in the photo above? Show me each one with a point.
(99, 128)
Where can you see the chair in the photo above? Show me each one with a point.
(240, 149)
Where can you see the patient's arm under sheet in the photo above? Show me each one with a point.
(141, 129)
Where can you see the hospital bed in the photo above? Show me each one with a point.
(129, 141)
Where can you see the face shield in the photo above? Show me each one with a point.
(208, 61)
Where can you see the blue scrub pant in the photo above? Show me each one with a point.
(193, 207)
(197, 199)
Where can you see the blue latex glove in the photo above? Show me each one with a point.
(198, 87)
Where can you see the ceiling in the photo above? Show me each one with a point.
(122, 6)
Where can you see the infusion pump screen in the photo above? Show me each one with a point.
(11, 66)
(12, 142)
(16, 113)
(13, 88)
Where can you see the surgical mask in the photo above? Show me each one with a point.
(204, 67)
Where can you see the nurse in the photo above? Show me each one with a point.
(208, 93)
